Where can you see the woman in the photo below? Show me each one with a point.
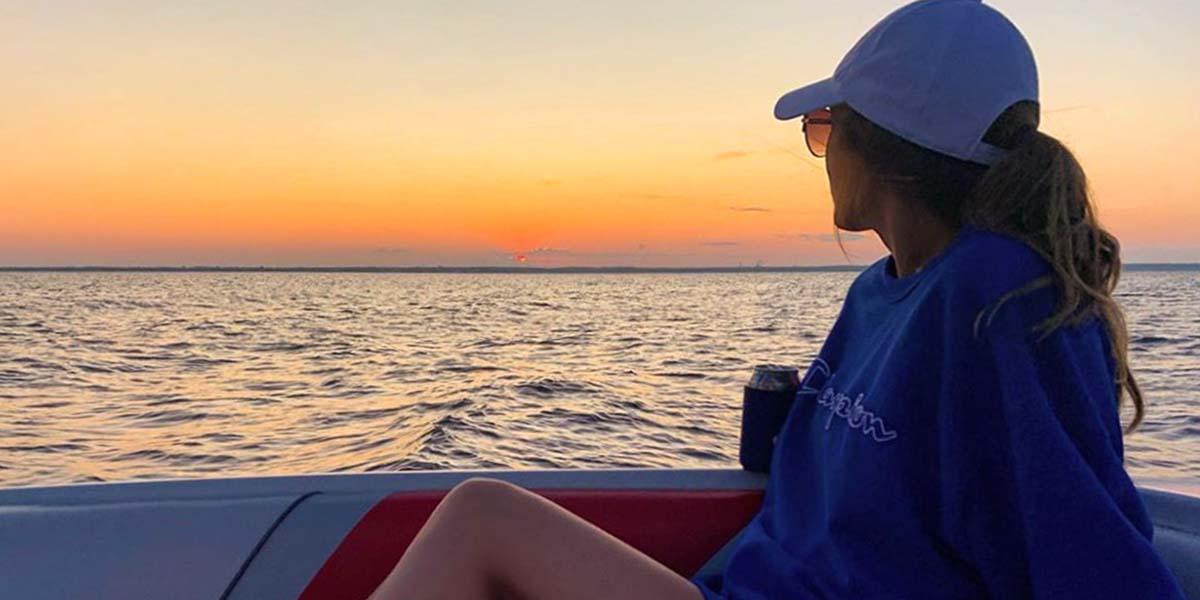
(959, 434)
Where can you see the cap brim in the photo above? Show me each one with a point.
(807, 99)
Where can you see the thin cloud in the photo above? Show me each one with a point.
(731, 154)
(752, 209)
(548, 251)
(826, 238)
(551, 182)
(1063, 109)
(391, 250)
(719, 244)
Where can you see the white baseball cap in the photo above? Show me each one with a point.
(936, 72)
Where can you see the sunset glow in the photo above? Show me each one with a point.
(499, 133)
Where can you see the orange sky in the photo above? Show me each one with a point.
(467, 132)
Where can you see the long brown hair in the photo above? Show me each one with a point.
(1036, 193)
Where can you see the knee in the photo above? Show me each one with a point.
(479, 492)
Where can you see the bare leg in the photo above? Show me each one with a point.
(490, 539)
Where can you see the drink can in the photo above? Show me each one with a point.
(766, 401)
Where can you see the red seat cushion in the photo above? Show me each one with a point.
(679, 528)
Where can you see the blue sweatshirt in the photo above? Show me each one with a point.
(925, 460)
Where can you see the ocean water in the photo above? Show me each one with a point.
(116, 376)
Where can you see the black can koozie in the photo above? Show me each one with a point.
(766, 401)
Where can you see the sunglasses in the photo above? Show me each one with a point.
(817, 126)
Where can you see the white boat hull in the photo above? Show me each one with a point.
(288, 537)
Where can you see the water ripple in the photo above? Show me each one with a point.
(112, 376)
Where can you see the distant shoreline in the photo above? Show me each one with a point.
(510, 270)
(467, 270)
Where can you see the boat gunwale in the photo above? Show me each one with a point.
(252, 486)
(391, 482)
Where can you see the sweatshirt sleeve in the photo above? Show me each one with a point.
(1034, 494)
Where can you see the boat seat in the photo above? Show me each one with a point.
(1177, 535)
(680, 528)
(650, 520)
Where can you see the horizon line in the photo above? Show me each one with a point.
(1143, 266)
(421, 269)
